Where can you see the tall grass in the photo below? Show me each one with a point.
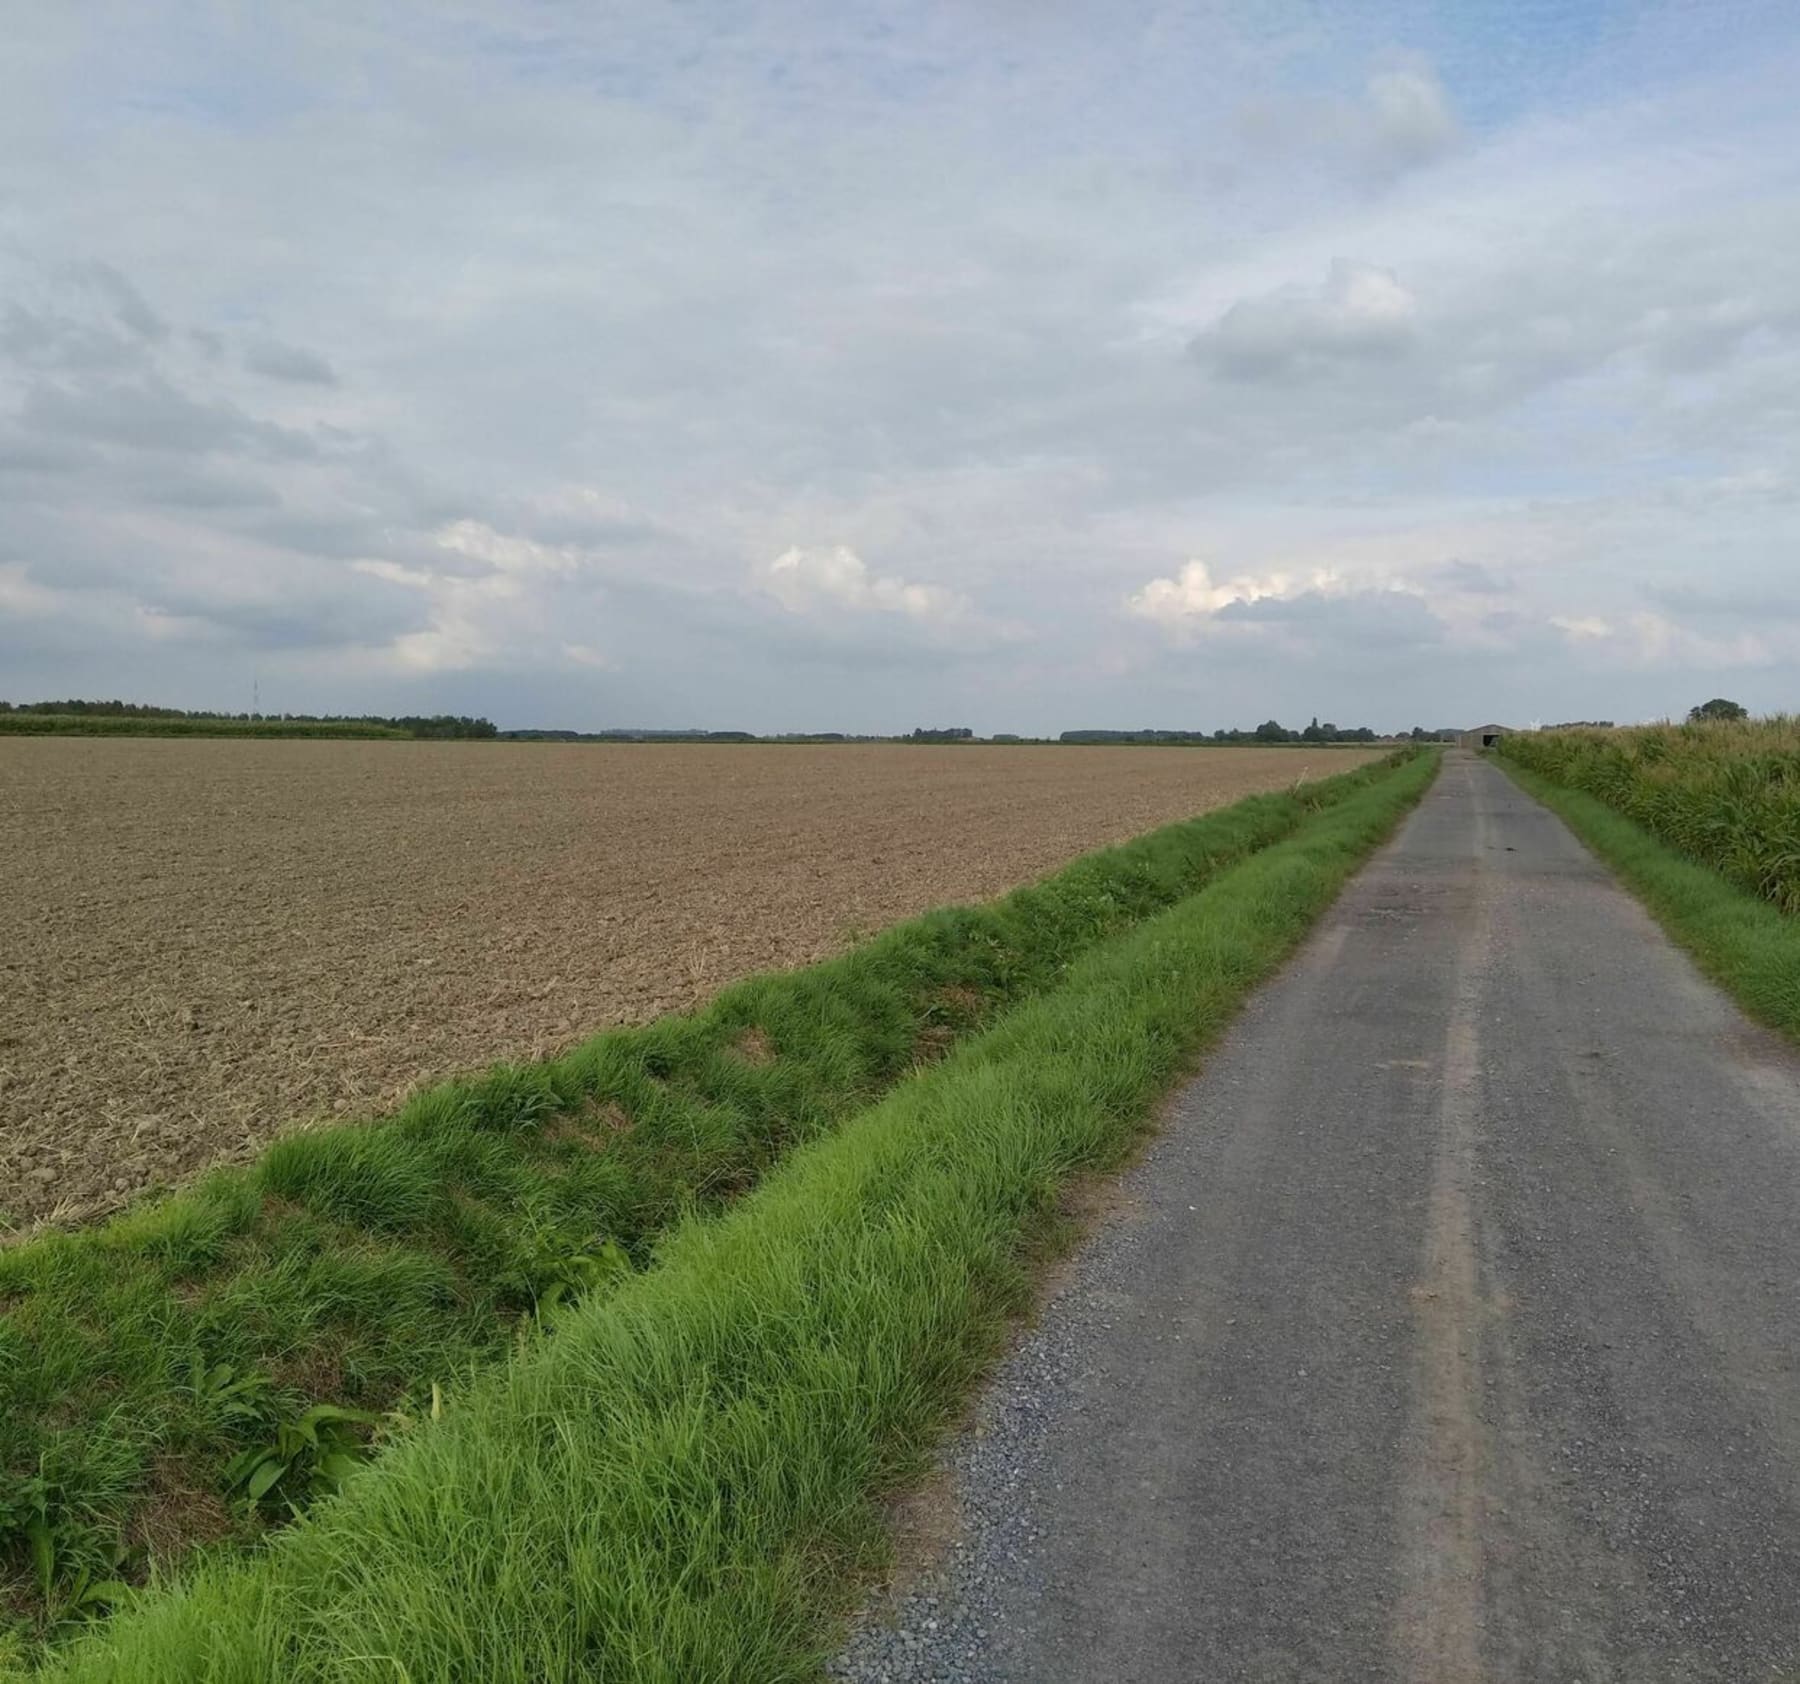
(150, 1370)
(1725, 793)
(670, 1489)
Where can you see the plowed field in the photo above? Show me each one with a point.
(204, 941)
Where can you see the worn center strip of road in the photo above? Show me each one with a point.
(1449, 1331)
(1438, 1635)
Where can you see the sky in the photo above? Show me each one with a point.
(1019, 364)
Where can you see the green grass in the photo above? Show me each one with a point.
(153, 1370)
(677, 1485)
(1724, 792)
(1742, 941)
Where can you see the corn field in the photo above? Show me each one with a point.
(1726, 793)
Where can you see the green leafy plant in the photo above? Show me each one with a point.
(90, 1594)
(227, 1397)
(68, 1588)
(25, 1520)
(557, 1280)
(310, 1455)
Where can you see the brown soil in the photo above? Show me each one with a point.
(177, 1515)
(202, 942)
(755, 1048)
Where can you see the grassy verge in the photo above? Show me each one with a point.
(1741, 940)
(181, 1375)
(671, 1487)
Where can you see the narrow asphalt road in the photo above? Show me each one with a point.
(1449, 1332)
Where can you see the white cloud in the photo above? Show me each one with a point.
(507, 553)
(416, 578)
(1662, 642)
(1358, 315)
(836, 578)
(464, 616)
(20, 594)
(1656, 641)
(1192, 597)
(490, 613)
(1315, 613)
(1587, 628)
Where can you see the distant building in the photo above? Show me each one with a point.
(1484, 736)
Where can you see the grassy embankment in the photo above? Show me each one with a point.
(673, 1486)
(161, 1377)
(1702, 822)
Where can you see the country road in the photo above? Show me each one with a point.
(1449, 1331)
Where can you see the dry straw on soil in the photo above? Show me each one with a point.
(204, 941)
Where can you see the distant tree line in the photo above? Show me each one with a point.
(413, 724)
(633, 735)
(1270, 731)
(442, 725)
(76, 706)
(141, 718)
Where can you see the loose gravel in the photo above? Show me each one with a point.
(947, 1625)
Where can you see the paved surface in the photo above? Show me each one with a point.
(1450, 1332)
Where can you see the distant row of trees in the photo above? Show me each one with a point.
(440, 725)
(413, 724)
(1270, 731)
(81, 708)
(443, 725)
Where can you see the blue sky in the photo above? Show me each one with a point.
(1018, 364)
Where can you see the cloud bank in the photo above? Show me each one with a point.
(745, 367)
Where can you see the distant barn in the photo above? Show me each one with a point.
(1484, 736)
